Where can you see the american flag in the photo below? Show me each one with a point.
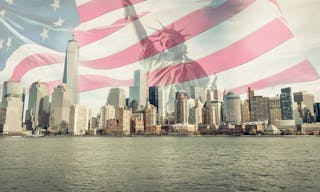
(222, 38)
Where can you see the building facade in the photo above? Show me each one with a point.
(232, 109)
(79, 119)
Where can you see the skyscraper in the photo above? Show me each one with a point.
(70, 73)
(286, 103)
(317, 111)
(79, 119)
(107, 112)
(208, 111)
(305, 103)
(117, 98)
(62, 99)
(196, 92)
(259, 108)
(232, 108)
(138, 92)
(11, 110)
(181, 108)
(274, 110)
(37, 113)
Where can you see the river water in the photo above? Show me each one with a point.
(160, 164)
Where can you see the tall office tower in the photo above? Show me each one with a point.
(62, 99)
(107, 112)
(259, 108)
(286, 103)
(117, 98)
(218, 105)
(274, 110)
(208, 111)
(149, 116)
(317, 111)
(124, 120)
(250, 94)
(181, 108)
(196, 93)
(305, 103)
(154, 95)
(195, 113)
(70, 73)
(79, 119)
(232, 108)
(245, 111)
(37, 113)
(138, 92)
(11, 110)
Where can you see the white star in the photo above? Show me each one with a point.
(58, 23)
(55, 4)
(10, 2)
(9, 42)
(44, 33)
(1, 43)
(3, 12)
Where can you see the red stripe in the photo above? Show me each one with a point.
(201, 20)
(36, 60)
(96, 8)
(92, 82)
(256, 44)
(87, 37)
(302, 72)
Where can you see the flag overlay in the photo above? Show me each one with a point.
(241, 42)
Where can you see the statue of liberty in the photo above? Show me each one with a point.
(170, 66)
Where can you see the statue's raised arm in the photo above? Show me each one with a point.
(131, 14)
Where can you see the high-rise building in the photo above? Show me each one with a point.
(62, 99)
(154, 95)
(124, 120)
(11, 109)
(149, 116)
(196, 92)
(259, 108)
(208, 111)
(70, 73)
(181, 108)
(79, 119)
(138, 92)
(286, 103)
(107, 112)
(274, 110)
(195, 113)
(305, 103)
(317, 111)
(38, 112)
(117, 98)
(232, 108)
(245, 111)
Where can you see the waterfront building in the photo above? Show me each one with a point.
(124, 120)
(274, 110)
(272, 130)
(62, 99)
(259, 108)
(149, 116)
(195, 113)
(305, 102)
(196, 92)
(317, 111)
(245, 111)
(286, 103)
(181, 108)
(232, 108)
(107, 112)
(117, 98)
(208, 111)
(70, 73)
(11, 108)
(138, 93)
(79, 119)
(38, 110)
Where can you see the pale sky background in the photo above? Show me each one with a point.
(303, 17)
